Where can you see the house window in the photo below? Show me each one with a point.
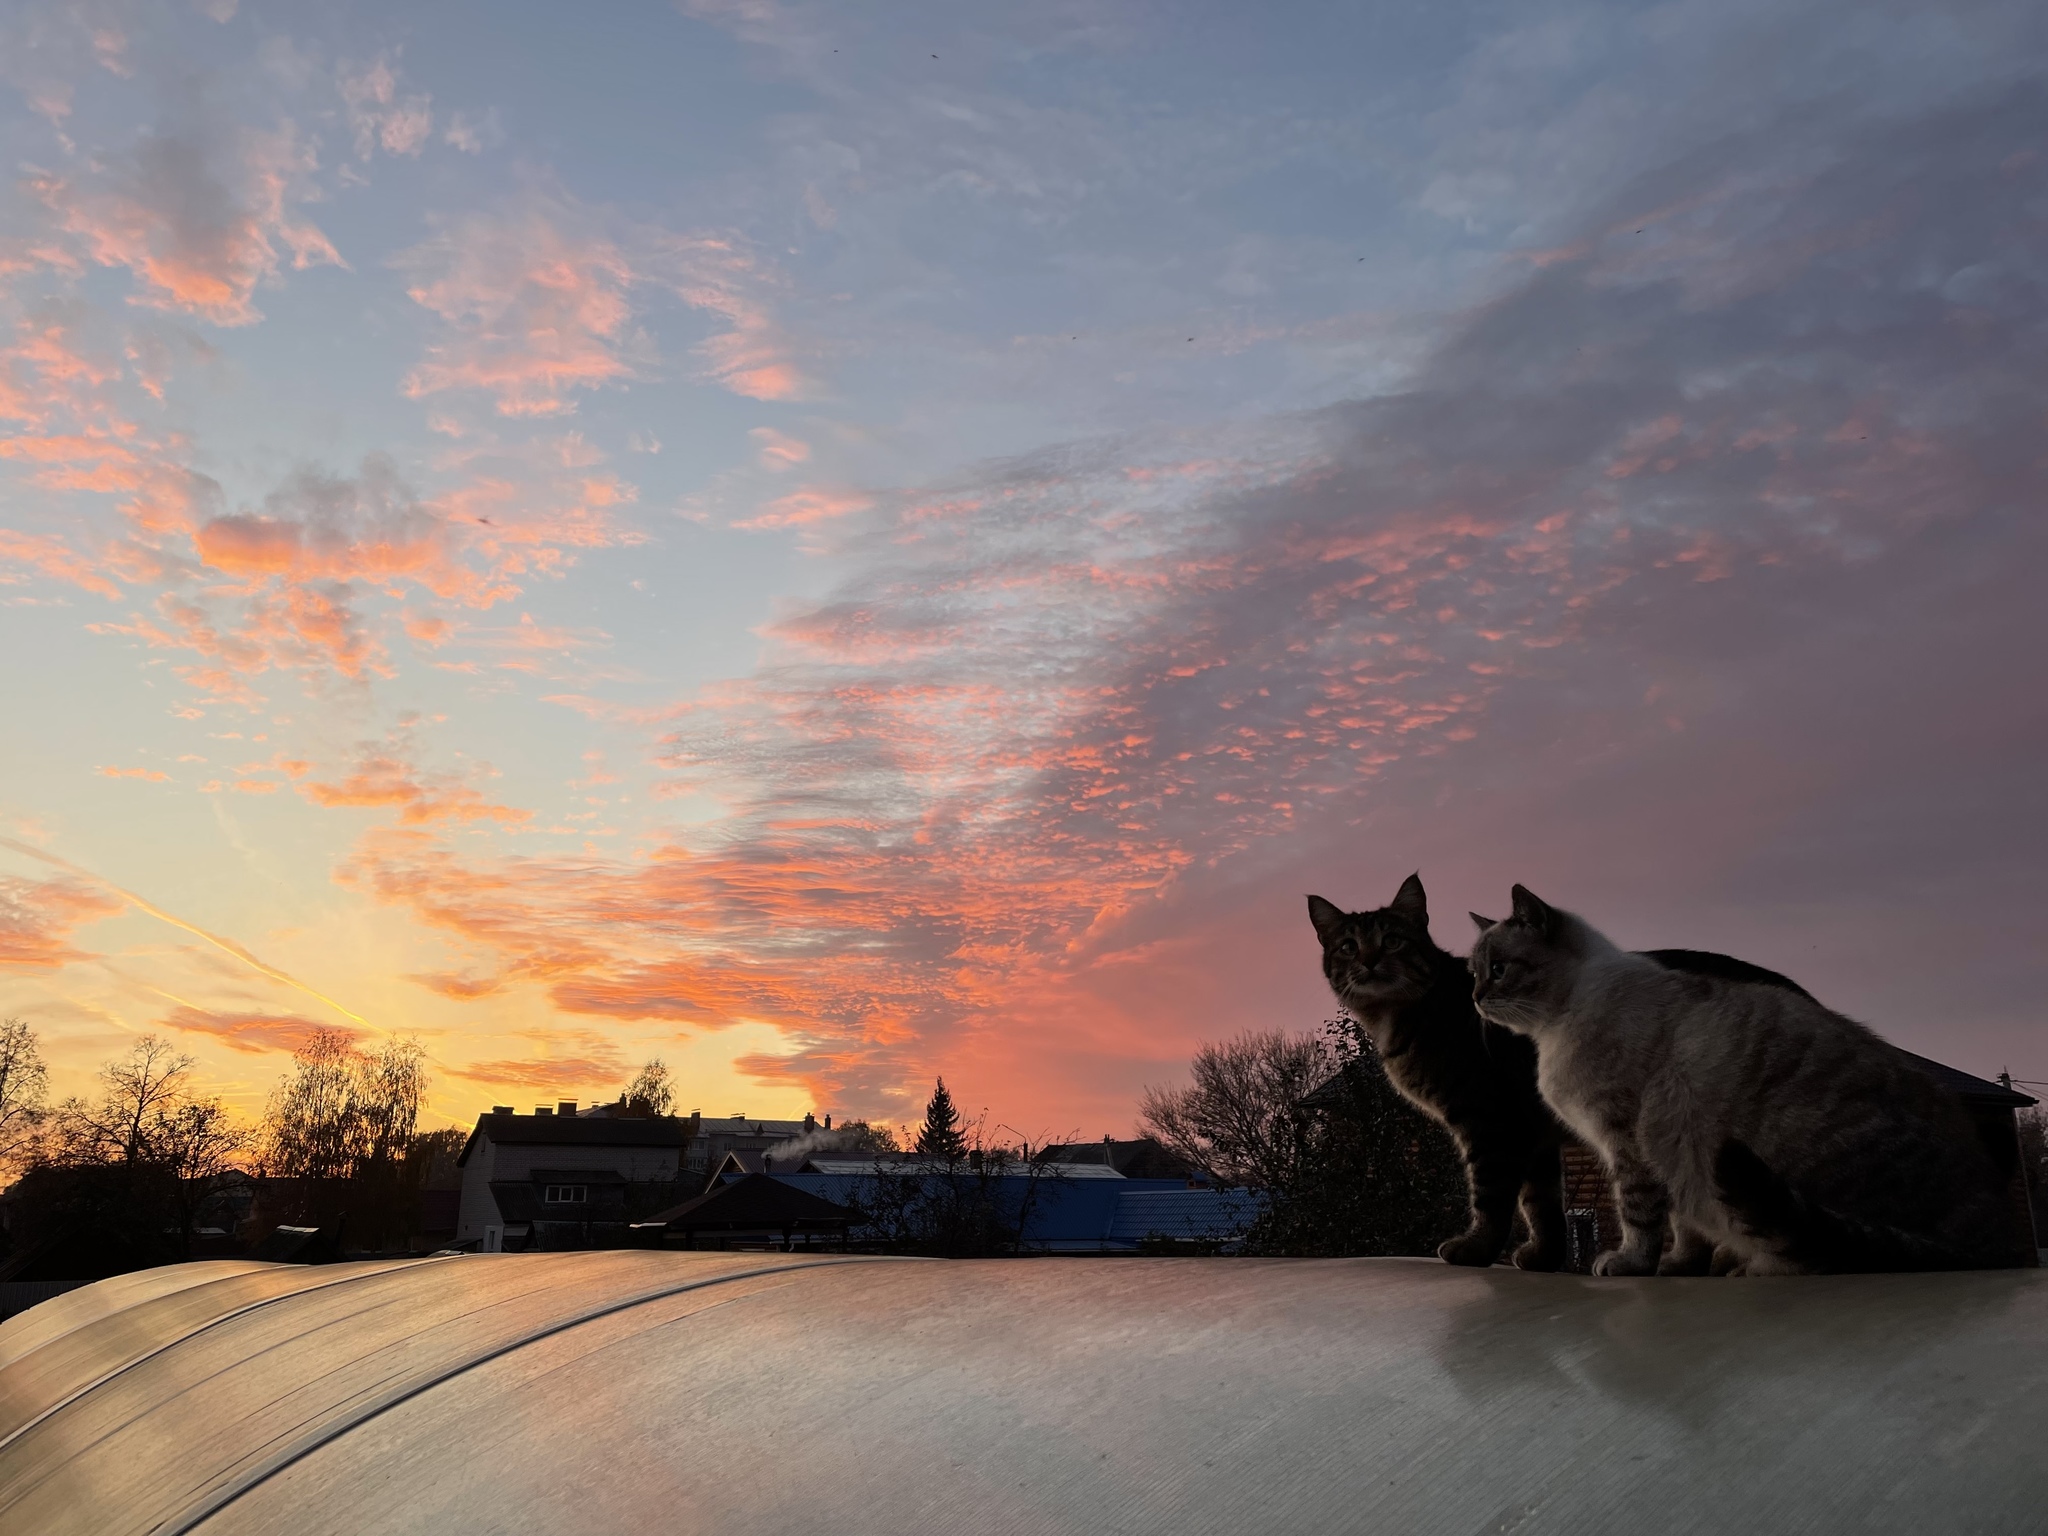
(567, 1194)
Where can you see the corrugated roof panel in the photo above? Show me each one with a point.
(747, 1394)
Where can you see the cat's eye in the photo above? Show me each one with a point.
(1498, 970)
(1392, 944)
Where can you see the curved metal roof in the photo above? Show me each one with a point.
(740, 1393)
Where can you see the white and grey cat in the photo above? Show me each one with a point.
(1776, 1136)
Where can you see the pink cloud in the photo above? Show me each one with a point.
(200, 225)
(536, 309)
(378, 115)
(385, 777)
(533, 314)
(812, 504)
(254, 1034)
(37, 919)
(50, 556)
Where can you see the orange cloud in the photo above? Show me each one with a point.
(50, 556)
(255, 1034)
(198, 224)
(38, 917)
(154, 774)
(385, 778)
(534, 314)
(536, 309)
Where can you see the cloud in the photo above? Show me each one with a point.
(812, 504)
(38, 917)
(533, 313)
(779, 450)
(385, 777)
(52, 557)
(537, 307)
(254, 1034)
(1080, 704)
(155, 775)
(199, 218)
(378, 116)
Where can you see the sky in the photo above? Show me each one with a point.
(837, 544)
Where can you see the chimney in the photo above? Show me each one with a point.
(542, 1109)
(810, 1121)
(502, 1109)
(828, 1122)
(566, 1107)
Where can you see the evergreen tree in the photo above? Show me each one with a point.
(940, 1134)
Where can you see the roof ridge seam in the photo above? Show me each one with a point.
(211, 1504)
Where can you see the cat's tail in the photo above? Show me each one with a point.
(1809, 1235)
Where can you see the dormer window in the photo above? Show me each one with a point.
(566, 1194)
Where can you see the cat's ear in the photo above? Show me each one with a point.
(1326, 915)
(1481, 923)
(1531, 911)
(1410, 902)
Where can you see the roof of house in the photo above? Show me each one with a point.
(1975, 1090)
(575, 1131)
(757, 1200)
(1143, 1157)
(873, 1164)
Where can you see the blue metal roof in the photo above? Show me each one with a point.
(1081, 1215)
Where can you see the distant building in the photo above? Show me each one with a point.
(1143, 1157)
(712, 1140)
(550, 1180)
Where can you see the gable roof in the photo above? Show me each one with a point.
(1973, 1090)
(576, 1131)
(757, 1200)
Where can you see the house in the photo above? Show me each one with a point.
(1085, 1209)
(560, 1179)
(1143, 1157)
(711, 1140)
(752, 1211)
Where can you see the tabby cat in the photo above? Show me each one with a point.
(1415, 1001)
(1724, 1097)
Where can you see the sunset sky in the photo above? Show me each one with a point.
(835, 543)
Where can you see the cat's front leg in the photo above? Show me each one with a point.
(1496, 1174)
(1645, 1210)
(1691, 1252)
(1543, 1210)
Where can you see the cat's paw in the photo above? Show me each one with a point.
(1474, 1249)
(1695, 1261)
(1726, 1261)
(1533, 1255)
(1619, 1261)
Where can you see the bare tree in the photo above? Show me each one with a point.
(1241, 1117)
(650, 1091)
(861, 1136)
(136, 1093)
(24, 1088)
(199, 1145)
